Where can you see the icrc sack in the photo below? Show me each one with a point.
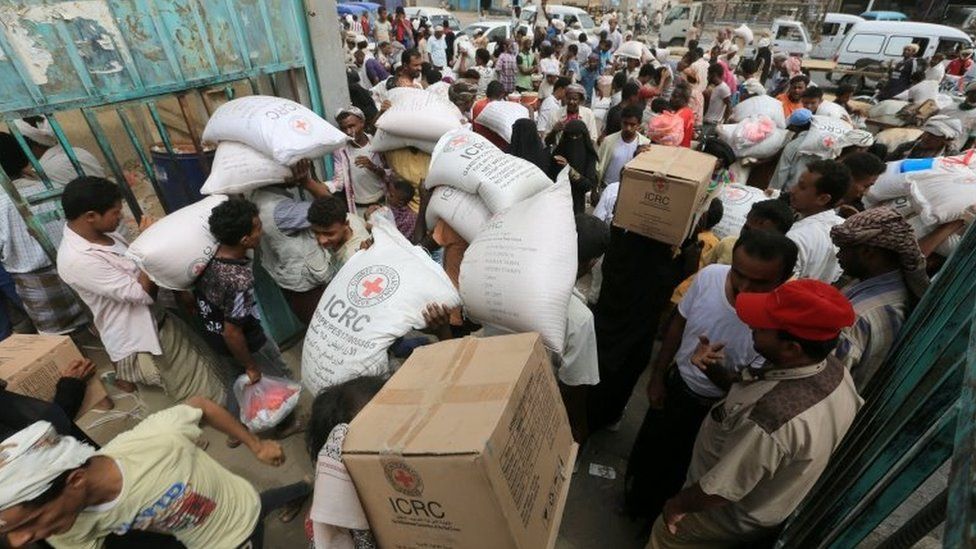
(464, 212)
(825, 137)
(498, 116)
(943, 193)
(466, 161)
(384, 142)
(737, 200)
(280, 128)
(760, 104)
(238, 169)
(518, 273)
(378, 295)
(176, 249)
(419, 115)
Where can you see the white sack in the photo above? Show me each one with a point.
(466, 161)
(734, 136)
(943, 193)
(889, 185)
(894, 137)
(825, 138)
(498, 116)
(176, 249)
(280, 128)
(737, 200)
(518, 273)
(744, 32)
(378, 295)
(760, 104)
(384, 141)
(419, 115)
(833, 110)
(464, 212)
(886, 112)
(239, 169)
(633, 49)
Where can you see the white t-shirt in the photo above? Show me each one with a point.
(716, 103)
(708, 312)
(485, 75)
(621, 154)
(367, 186)
(817, 256)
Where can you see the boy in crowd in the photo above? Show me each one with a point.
(818, 191)
(153, 478)
(225, 294)
(680, 393)
(336, 230)
(865, 169)
(359, 171)
(763, 447)
(146, 344)
(719, 100)
(619, 148)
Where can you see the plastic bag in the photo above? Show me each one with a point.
(266, 403)
(666, 128)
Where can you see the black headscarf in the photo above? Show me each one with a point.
(576, 147)
(527, 145)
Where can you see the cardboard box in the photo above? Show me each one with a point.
(31, 365)
(467, 446)
(664, 191)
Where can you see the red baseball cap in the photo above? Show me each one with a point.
(805, 308)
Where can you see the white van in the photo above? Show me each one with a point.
(832, 32)
(569, 14)
(433, 16)
(880, 43)
(677, 23)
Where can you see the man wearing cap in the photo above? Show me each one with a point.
(901, 76)
(153, 477)
(680, 393)
(938, 134)
(792, 162)
(761, 449)
(961, 64)
(879, 251)
(359, 171)
(437, 46)
(573, 109)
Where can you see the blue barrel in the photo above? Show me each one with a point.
(180, 177)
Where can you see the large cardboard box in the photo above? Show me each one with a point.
(32, 364)
(467, 446)
(663, 192)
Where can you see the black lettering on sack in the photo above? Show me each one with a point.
(280, 110)
(345, 314)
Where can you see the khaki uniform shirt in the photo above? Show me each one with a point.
(766, 444)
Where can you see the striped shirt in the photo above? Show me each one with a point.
(880, 305)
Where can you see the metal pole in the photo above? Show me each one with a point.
(324, 61)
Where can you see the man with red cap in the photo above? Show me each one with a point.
(761, 449)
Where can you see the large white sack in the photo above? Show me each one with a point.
(907, 208)
(943, 193)
(176, 249)
(420, 115)
(280, 128)
(825, 137)
(464, 212)
(744, 32)
(498, 116)
(737, 200)
(889, 185)
(238, 169)
(759, 144)
(518, 273)
(633, 49)
(378, 295)
(894, 137)
(886, 112)
(833, 110)
(384, 141)
(760, 104)
(466, 161)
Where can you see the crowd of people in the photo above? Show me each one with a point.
(767, 339)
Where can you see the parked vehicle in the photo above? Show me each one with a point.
(677, 23)
(960, 16)
(433, 17)
(493, 30)
(875, 45)
(569, 14)
(832, 32)
(884, 16)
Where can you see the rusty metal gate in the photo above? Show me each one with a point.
(134, 81)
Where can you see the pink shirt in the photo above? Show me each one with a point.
(108, 282)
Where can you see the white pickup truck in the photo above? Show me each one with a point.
(788, 35)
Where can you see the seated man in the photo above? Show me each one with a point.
(153, 477)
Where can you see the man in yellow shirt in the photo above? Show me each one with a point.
(152, 478)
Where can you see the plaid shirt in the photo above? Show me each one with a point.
(506, 69)
(19, 251)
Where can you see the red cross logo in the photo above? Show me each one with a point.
(828, 142)
(405, 479)
(300, 124)
(660, 186)
(371, 287)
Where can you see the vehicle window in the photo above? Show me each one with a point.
(680, 12)
(896, 44)
(497, 32)
(948, 45)
(789, 34)
(453, 22)
(829, 29)
(527, 15)
(865, 43)
(585, 21)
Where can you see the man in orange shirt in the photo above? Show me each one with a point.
(791, 97)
